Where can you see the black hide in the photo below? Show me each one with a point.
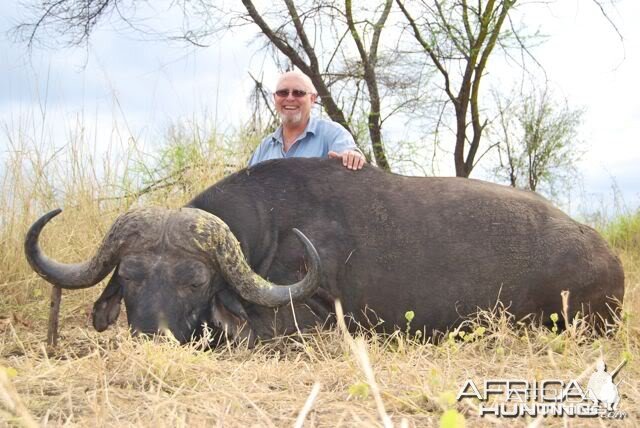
(441, 247)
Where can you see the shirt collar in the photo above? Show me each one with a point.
(311, 128)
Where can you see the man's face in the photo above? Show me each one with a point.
(294, 110)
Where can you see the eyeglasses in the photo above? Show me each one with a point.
(297, 93)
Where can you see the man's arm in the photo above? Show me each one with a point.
(253, 158)
(344, 147)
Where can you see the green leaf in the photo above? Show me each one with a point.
(452, 419)
(409, 315)
(359, 390)
(9, 371)
(554, 317)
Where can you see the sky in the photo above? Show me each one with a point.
(141, 86)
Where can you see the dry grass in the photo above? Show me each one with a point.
(321, 379)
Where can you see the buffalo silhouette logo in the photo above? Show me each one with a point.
(601, 388)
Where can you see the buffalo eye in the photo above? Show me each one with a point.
(198, 284)
(129, 275)
(131, 270)
(193, 274)
(126, 276)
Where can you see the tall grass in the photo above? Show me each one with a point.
(321, 379)
(623, 233)
(93, 187)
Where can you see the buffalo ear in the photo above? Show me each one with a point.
(107, 308)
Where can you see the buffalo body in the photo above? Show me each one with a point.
(387, 244)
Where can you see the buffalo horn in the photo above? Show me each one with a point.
(69, 276)
(214, 237)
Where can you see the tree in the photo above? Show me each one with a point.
(459, 38)
(537, 141)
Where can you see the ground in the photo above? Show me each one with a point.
(112, 379)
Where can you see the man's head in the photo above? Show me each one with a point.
(294, 97)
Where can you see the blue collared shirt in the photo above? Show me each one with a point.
(319, 138)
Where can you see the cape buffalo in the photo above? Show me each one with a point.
(386, 244)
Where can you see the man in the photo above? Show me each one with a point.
(301, 135)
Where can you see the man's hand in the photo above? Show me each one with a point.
(350, 158)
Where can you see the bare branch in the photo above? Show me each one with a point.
(282, 45)
(69, 18)
(429, 49)
(608, 18)
(313, 59)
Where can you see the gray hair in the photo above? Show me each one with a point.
(307, 81)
